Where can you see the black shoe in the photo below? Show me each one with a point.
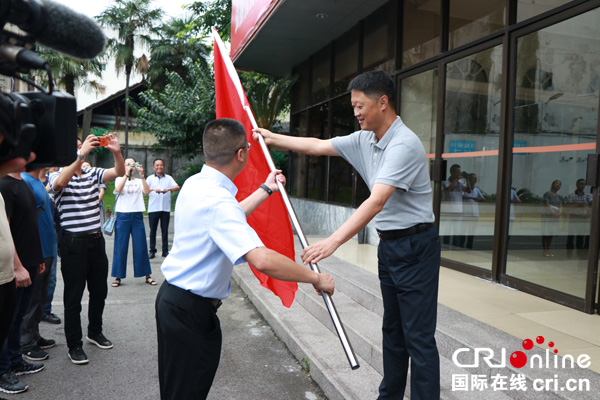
(51, 318)
(9, 383)
(151, 254)
(35, 354)
(26, 368)
(165, 254)
(78, 356)
(100, 341)
(46, 343)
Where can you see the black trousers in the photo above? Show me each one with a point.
(409, 274)
(164, 218)
(189, 344)
(8, 299)
(83, 262)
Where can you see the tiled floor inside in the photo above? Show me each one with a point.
(517, 313)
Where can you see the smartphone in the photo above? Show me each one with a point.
(103, 141)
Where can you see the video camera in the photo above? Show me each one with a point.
(44, 121)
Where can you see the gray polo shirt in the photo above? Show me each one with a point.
(399, 160)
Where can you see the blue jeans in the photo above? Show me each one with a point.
(10, 355)
(409, 270)
(51, 285)
(130, 224)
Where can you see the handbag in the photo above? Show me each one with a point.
(108, 227)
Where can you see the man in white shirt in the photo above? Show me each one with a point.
(159, 205)
(211, 236)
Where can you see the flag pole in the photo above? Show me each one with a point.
(335, 318)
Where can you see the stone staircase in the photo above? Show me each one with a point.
(308, 332)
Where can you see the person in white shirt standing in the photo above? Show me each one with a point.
(159, 205)
(130, 222)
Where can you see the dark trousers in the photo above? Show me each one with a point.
(10, 355)
(189, 344)
(8, 298)
(83, 261)
(409, 274)
(164, 218)
(30, 329)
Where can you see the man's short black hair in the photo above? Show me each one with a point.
(222, 138)
(454, 167)
(158, 159)
(374, 84)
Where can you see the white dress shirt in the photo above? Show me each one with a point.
(211, 235)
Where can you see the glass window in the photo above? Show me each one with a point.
(317, 165)
(556, 122)
(321, 73)
(346, 61)
(530, 8)
(380, 39)
(418, 108)
(421, 31)
(341, 173)
(300, 88)
(297, 178)
(472, 20)
(472, 112)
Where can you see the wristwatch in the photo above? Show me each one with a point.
(266, 188)
(80, 156)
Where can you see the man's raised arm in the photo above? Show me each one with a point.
(119, 169)
(307, 145)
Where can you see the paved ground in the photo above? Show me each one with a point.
(255, 364)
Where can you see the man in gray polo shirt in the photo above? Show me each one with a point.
(392, 161)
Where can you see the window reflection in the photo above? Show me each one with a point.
(556, 117)
(471, 124)
(472, 20)
(380, 39)
(418, 109)
(530, 8)
(341, 173)
(421, 31)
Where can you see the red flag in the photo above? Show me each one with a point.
(270, 220)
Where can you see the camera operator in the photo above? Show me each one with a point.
(82, 246)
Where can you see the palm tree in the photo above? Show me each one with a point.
(69, 72)
(174, 50)
(132, 20)
(268, 96)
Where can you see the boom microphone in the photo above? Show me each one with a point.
(57, 27)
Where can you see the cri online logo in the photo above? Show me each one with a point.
(518, 359)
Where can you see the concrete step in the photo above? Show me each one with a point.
(309, 339)
(307, 330)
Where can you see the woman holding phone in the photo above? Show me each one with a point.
(130, 222)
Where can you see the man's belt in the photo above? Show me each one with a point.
(400, 233)
(85, 235)
(216, 303)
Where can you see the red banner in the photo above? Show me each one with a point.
(270, 220)
(247, 16)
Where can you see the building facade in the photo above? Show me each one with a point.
(508, 90)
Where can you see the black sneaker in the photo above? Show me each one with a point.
(78, 356)
(35, 354)
(100, 341)
(165, 254)
(9, 383)
(45, 343)
(51, 318)
(151, 254)
(26, 368)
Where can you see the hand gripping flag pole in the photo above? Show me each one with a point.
(337, 323)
